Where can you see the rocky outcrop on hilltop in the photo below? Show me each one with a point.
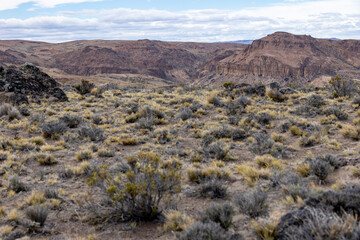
(283, 57)
(16, 84)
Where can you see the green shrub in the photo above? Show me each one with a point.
(252, 204)
(141, 192)
(93, 133)
(341, 88)
(72, 121)
(205, 231)
(315, 101)
(213, 189)
(222, 214)
(16, 185)
(53, 129)
(37, 214)
(84, 87)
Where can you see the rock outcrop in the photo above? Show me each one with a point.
(283, 57)
(16, 84)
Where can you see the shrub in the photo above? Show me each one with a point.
(341, 88)
(219, 151)
(176, 221)
(339, 201)
(276, 95)
(4, 109)
(84, 155)
(16, 185)
(65, 173)
(331, 159)
(37, 214)
(162, 136)
(185, 114)
(320, 169)
(96, 119)
(264, 118)
(303, 169)
(312, 223)
(200, 175)
(315, 101)
(222, 214)
(296, 191)
(13, 114)
(350, 131)
(263, 144)
(205, 231)
(72, 121)
(296, 131)
(148, 112)
(267, 161)
(129, 141)
(145, 123)
(53, 129)
(51, 193)
(337, 112)
(215, 101)
(9, 111)
(44, 159)
(252, 204)
(266, 229)
(243, 101)
(212, 189)
(141, 192)
(93, 133)
(228, 86)
(309, 141)
(84, 87)
(307, 110)
(103, 152)
(252, 174)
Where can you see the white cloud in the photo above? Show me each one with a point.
(327, 18)
(12, 4)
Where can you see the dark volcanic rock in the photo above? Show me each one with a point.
(17, 83)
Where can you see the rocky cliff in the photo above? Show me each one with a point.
(283, 57)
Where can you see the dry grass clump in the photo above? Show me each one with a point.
(252, 174)
(350, 131)
(200, 175)
(177, 221)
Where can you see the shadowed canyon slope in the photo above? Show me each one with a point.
(175, 62)
(280, 56)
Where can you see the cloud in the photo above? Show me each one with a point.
(327, 18)
(12, 4)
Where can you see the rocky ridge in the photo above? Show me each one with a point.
(284, 57)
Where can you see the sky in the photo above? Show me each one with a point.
(176, 20)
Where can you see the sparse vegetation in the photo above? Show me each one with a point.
(198, 163)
